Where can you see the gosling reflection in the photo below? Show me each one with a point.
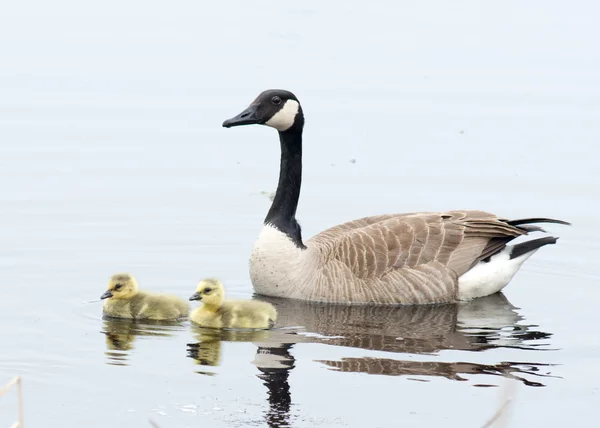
(206, 351)
(120, 335)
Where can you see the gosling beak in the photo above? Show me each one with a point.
(106, 295)
(250, 116)
(196, 296)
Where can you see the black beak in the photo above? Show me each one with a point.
(249, 116)
(196, 296)
(106, 295)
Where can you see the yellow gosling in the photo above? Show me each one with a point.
(125, 300)
(216, 312)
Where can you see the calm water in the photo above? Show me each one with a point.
(112, 158)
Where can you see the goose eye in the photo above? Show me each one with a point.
(276, 100)
(118, 287)
(207, 290)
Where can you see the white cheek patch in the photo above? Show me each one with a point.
(284, 118)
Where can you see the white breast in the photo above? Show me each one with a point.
(277, 266)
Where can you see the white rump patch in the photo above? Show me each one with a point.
(285, 117)
(489, 278)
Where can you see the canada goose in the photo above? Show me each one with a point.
(411, 258)
(125, 300)
(216, 312)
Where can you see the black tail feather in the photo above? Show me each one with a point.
(530, 228)
(528, 246)
(537, 220)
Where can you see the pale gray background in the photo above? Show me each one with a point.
(112, 157)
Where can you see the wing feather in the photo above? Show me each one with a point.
(415, 254)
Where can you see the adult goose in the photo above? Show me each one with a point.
(414, 258)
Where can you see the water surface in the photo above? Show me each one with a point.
(112, 158)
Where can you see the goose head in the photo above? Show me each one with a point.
(121, 286)
(277, 108)
(210, 291)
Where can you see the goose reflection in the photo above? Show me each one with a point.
(275, 363)
(272, 359)
(452, 371)
(487, 323)
(120, 335)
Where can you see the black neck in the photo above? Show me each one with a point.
(282, 214)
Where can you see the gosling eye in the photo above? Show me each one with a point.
(118, 287)
(276, 100)
(207, 290)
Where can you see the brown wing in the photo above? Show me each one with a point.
(375, 246)
(407, 258)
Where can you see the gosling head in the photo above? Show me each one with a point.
(277, 108)
(210, 291)
(121, 286)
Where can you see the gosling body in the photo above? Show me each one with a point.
(216, 312)
(125, 300)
